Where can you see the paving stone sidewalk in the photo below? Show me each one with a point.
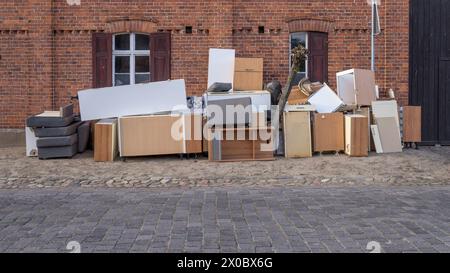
(307, 219)
(427, 166)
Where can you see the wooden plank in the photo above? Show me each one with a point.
(105, 140)
(412, 124)
(356, 135)
(297, 134)
(329, 132)
(151, 135)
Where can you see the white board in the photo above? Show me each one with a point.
(325, 100)
(221, 66)
(30, 140)
(376, 139)
(386, 109)
(389, 135)
(129, 100)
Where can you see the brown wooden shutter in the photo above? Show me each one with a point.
(318, 57)
(160, 47)
(101, 60)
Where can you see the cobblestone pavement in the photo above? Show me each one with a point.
(306, 219)
(427, 166)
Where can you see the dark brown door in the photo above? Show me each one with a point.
(318, 57)
(160, 47)
(101, 60)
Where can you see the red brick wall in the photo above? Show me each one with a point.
(46, 59)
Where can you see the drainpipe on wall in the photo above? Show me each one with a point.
(53, 52)
(372, 38)
(376, 29)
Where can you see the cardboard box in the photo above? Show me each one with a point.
(105, 140)
(248, 74)
(329, 132)
(297, 134)
(356, 135)
(412, 124)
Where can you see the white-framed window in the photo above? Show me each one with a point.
(295, 39)
(131, 58)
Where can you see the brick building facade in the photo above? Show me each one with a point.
(46, 45)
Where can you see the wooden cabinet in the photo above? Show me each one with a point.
(240, 144)
(356, 135)
(151, 135)
(297, 134)
(356, 86)
(328, 132)
(105, 140)
(412, 124)
(160, 135)
(248, 74)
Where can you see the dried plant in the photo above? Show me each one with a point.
(298, 55)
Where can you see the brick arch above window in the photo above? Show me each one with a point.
(140, 26)
(306, 25)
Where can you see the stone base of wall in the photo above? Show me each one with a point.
(12, 138)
